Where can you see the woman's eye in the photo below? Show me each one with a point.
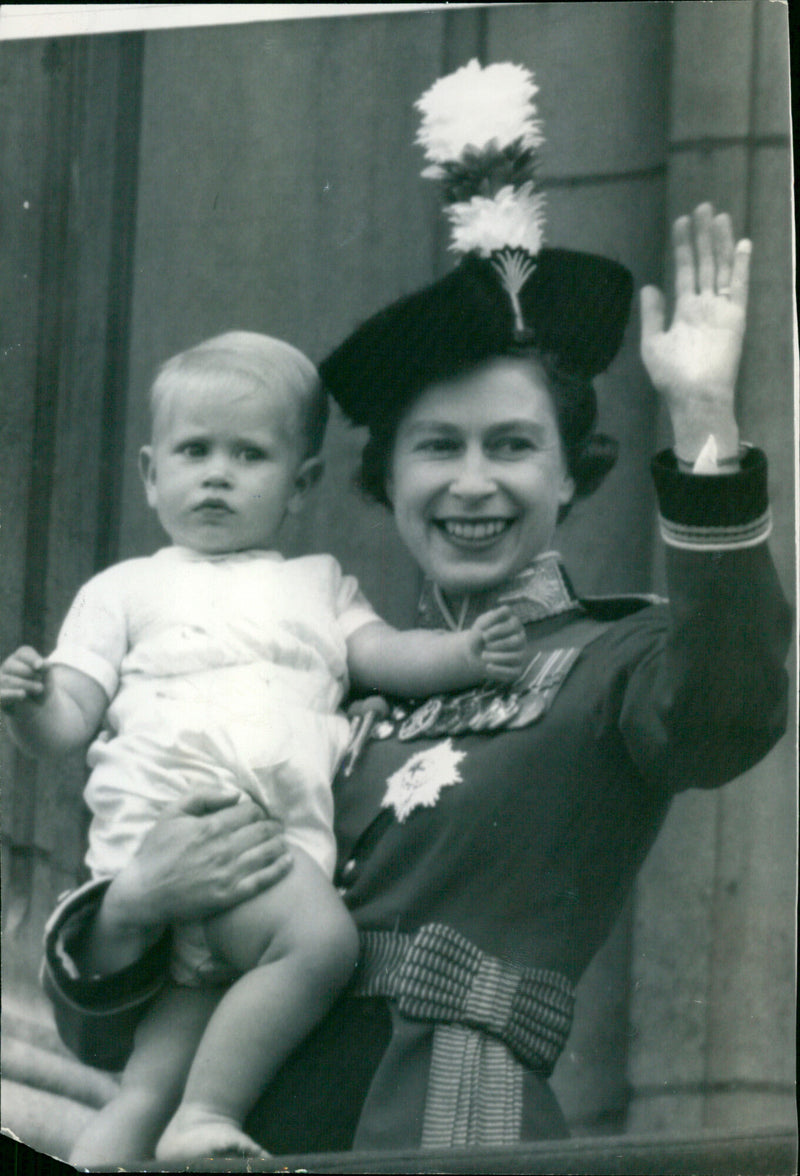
(513, 446)
(438, 445)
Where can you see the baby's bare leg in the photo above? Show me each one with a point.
(297, 946)
(129, 1126)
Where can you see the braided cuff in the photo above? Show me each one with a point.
(726, 512)
(96, 1016)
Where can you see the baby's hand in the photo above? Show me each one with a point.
(502, 646)
(21, 677)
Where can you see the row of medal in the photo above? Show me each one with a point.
(481, 709)
(484, 708)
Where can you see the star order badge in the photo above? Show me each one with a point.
(421, 778)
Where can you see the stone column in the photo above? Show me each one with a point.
(712, 1008)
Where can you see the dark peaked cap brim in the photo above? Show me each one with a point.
(576, 306)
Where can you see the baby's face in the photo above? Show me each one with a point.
(223, 472)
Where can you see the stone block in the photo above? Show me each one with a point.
(602, 72)
(712, 47)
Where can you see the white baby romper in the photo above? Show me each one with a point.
(223, 671)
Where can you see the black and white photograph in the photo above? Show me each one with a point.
(482, 319)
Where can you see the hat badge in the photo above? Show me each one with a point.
(514, 267)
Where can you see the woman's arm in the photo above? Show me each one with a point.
(105, 952)
(50, 709)
(710, 698)
(418, 662)
(707, 696)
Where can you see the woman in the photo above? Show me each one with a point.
(488, 841)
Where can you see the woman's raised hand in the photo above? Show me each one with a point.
(694, 363)
(204, 855)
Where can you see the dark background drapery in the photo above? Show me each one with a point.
(161, 187)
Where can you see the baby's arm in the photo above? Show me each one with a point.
(419, 662)
(49, 709)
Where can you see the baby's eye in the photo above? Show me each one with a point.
(193, 449)
(252, 453)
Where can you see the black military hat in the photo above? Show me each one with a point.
(480, 132)
(574, 307)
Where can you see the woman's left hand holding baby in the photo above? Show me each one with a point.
(205, 855)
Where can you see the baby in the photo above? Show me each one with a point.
(218, 662)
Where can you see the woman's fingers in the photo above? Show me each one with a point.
(258, 875)
(693, 359)
(232, 816)
(248, 861)
(702, 223)
(202, 802)
(254, 854)
(685, 276)
(192, 866)
(263, 836)
(254, 884)
(722, 240)
(740, 273)
(247, 869)
(707, 260)
(226, 812)
(230, 821)
(651, 302)
(243, 834)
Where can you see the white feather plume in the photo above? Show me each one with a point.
(513, 219)
(476, 107)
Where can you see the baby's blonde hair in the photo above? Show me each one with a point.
(228, 362)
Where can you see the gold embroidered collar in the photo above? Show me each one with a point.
(540, 590)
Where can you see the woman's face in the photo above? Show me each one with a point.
(478, 475)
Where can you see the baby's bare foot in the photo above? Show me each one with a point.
(195, 1133)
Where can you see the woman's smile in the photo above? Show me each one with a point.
(474, 531)
(478, 476)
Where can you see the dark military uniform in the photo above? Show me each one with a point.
(487, 843)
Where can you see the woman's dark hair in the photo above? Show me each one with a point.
(589, 455)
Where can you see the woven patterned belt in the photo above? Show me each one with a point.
(437, 975)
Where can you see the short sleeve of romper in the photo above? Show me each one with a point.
(94, 635)
(353, 610)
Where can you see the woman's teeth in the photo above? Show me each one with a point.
(484, 529)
